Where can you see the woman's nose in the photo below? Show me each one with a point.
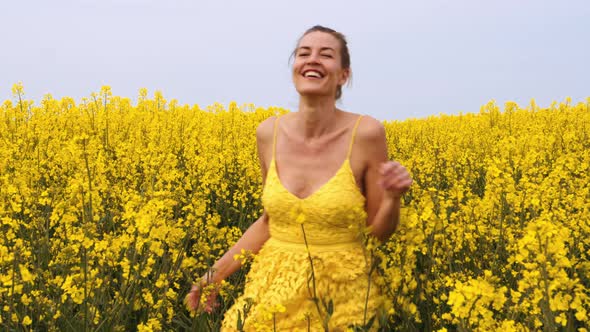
(313, 58)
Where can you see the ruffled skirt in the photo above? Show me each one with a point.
(284, 293)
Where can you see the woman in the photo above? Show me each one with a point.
(326, 175)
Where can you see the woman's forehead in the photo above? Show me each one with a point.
(318, 39)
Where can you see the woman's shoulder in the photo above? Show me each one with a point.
(265, 130)
(370, 129)
(370, 141)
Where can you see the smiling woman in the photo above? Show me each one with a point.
(330, 43)
(326, 178)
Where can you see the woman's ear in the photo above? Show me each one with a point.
(345, 75)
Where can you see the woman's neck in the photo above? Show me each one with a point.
(316, 116)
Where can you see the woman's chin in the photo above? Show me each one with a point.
(313, 93)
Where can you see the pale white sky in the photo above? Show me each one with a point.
(409, 58)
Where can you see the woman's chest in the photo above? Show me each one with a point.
(303, 175)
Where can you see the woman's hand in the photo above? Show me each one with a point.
(203, 295)
(394, 179)
(193, 301)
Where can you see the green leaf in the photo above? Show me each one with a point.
(240, 324)
(370, 323)
(330, 307)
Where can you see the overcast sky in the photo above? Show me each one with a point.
(409, 58)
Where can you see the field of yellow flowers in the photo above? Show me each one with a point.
(109, 211)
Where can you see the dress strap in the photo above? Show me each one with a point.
(353, 135)
(274, 137)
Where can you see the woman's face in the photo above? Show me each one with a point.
(317, 69)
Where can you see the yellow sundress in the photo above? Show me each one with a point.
(279, 289)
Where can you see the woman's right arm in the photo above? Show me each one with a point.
(252, 240)
(256, 235)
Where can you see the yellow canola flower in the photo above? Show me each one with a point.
(26, 275)
(300, 218)
(27, 321)
(106, 196)
(26, 300)
(18, 89)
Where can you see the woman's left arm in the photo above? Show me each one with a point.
(385, 181)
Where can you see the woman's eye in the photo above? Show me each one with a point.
(327, 55)
(303, 54)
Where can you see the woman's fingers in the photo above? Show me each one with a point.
(193, 299)
(212, 302)
(189, 301)
(394, 177)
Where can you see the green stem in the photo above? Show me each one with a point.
(548, 314)
(106, 140)
(89, 174)
(315, 297)
(368, 288)
(85, 266)
(20, 104)
(14, 266)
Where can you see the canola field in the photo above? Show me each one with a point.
(109, 210)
